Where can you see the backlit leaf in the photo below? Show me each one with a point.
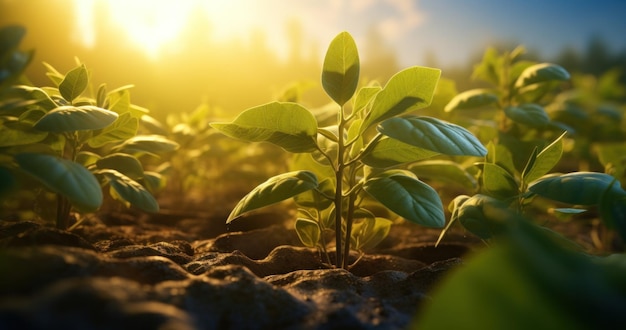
(124, 128)
(388, 152)
(70, 118)
(546, 160)
(445, 171)
(408, 197)
(288, 125)
(74, 83)
(130, 191)
(471, 99)
(497, 182)
(16, 134)
(408, 90)
(433, 134)
(153, 144)
(364, 96)
(64, 177)
(274, 190)
(123, 163)
(308, 231)
(541, 73)
(340, 74)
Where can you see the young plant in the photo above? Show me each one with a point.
(75, 145)
(346, 170)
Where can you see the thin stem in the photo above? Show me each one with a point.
(349, 219)
(339, 189)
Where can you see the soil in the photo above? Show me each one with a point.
(191, 271)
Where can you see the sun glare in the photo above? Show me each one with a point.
(152, 24)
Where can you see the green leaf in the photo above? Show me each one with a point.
(70, 119)
(153, 181)
(433, 134)
(445, 171)
(274, 190)
(388, 152)
(545, 161)
(408, 90)
(15, 135)
(314, 198)
(529, 114)
(130, 191)
(153, 144)
(55, 76)
(288, 125)
(74, 83)
(123, 163)
(539, 73)
(370, 232)
(408, 197)
(340, 74)
(308, 231)
(123, 128)
(475, 215)
(497, 182)
(64, 177)
(577, 188)
(473, 98)
(364, 96)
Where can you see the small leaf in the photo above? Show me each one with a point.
(70, 119)
(532, 115)
(408, 90)
(74, 83)
(473, 213)
(308, 231)
(340, 74)
(541, 73)
(577, 188)
(388, 152)
(55, 76)
(407, 197)
(433, 134)
(153, 144)
(288, 125)
(124, 128)
(364, 96)
(497, 182)
(546, 160)
(371, 232)
(471, 99)
(130, 191)
(123, 163)
(274, 190)
(64, 177)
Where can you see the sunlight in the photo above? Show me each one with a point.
(152, 24)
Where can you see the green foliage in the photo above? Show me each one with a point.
(341, 167)
(74, 145)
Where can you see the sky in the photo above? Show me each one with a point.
(448, 29)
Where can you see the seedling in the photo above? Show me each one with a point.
(344, 171)
(75, 145)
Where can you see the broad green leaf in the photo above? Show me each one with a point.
(70, 119)
(288, 125)
(529, 114)
(15, 135)
(130, 191)
(541, 73)
(314, 198)
(444, 171)
(577, 188)
(101, 96)
(152, 144)
(408, 197)
(473, 213)
(408, 90)
(64, 177)
(38, 94)
(308, 231)
(364, 96)
(119, 101)
(86, 158)
(473, 98)
(497, 182)
(274, 190)
(433, 134)
(545, 161)
(123, 163)
(74, 83)
(340, 74)
(355, 140)
(123, 128)
(388, 152)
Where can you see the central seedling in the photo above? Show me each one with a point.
(344, 171)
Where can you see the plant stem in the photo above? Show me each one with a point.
(339, 190)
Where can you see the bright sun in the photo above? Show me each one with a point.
(151, 24)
